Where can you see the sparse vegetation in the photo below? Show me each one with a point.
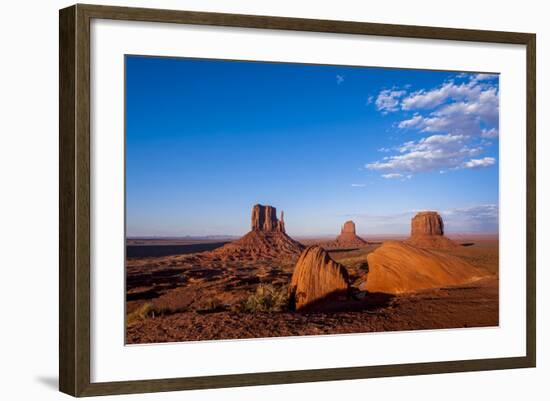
(211, 305)
(267, 298)
(141, 313)
(148, 310)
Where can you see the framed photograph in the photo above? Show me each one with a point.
(250, 200)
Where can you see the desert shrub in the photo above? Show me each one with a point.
(211, 305)
(149, 310)
(141, 313)
(267, 298)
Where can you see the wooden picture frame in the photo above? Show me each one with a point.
(74, 204)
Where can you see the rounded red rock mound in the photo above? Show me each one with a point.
(397, 267)
(317, 279)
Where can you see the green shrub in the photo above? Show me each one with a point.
(267, 298)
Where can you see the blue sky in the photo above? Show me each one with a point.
(207, 139)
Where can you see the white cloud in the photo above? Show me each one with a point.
(489, 133)
(478, 163)
(416, 121)
(392, 176)
(469, 108)
(433, 98)
(461, 117)
(479, 211)
(339, 79)
(433, 153)
(471, 219)
(458, 117)
(358, 185)
(484, 77)
(479, 218)
(482, 107)
(388, 100)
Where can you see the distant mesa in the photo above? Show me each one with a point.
(427, 231)
(317, 279)
(397, 267)
(348, 235)
(267, 239)
(347, 238)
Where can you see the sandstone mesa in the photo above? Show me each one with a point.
(427, 231)
(267, 239)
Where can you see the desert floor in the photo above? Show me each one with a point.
(180, 297)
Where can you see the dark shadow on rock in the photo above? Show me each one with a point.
(339, 250)
(467, 244)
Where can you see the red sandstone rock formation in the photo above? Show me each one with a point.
(397, 267)
(427, 232)
(427, 223)
(347, 238)
(317, 279)
(266, 240)
(264, 218)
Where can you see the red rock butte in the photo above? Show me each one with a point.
(267, 239)
(427, 223)
(264, 218)
(348, 237)
(427, 231)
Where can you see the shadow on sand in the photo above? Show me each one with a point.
(360, 302)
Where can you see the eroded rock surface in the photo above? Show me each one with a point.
(317, 279)
(398, 267)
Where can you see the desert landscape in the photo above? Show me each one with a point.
(272, 199)
(267, 284)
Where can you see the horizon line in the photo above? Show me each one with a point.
(301, 235)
